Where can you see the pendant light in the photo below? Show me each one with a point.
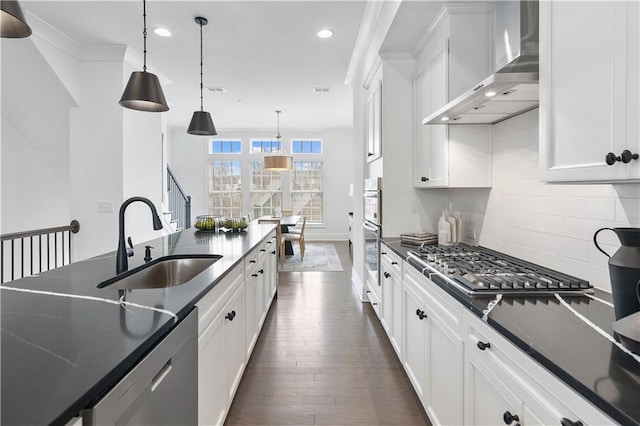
(201, 122)
(278, 162)
(143, 92)
(12, 22)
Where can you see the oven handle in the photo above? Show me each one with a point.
(371, 228)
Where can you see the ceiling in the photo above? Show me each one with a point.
(264, 53)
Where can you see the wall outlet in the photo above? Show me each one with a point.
(105, 206)
(471, 233)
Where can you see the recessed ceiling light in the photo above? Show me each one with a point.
(324, 33)
(490, 94)
(445, 119)
(162, 32)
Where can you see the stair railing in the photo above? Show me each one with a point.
(31, 252)
(179, 202)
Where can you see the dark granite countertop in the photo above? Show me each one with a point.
(60, 354)
(552, 334)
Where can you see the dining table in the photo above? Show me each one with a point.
(285, 223)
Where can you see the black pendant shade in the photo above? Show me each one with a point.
(202, 124)
(144, 93)
(12, 22)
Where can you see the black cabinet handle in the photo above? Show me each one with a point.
(566, 422)
(374, 303)
(482, 346)
(369, 154)
(394, 263)
(263, 250)
(384, 253)
(424, 178)
(231, 315)
(368, 291)
(386, 274)
(252, 261)
(261, 271)
(420, 314)
(510, 418)
(625, 157)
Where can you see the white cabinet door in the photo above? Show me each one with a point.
(588, 90)
(374, 121)
(431, 167)
(234, 355)
(488, 400)
(212, 404)
(397, 316)
(251, 312)
(445, 393)
(415, 335)
(386, 279)
(261, 293)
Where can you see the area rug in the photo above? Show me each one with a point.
(317, 257)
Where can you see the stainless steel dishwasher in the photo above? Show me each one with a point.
(161, 390)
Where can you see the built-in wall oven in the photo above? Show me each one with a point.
(372, 230)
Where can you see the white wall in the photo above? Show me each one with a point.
(188, 160)
(35, 140)
(549, 224)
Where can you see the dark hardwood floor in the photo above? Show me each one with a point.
(323, 358)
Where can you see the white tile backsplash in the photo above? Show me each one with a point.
(549, 224)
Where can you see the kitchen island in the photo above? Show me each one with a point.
(65, 342)
(544, 359)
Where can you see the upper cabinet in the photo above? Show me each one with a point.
(589, 91)
(455, 55)
(374, 121)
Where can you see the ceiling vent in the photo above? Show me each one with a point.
(215, 89)
(321, 89)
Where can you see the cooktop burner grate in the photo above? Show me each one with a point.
(478, 270)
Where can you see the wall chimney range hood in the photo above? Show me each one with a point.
(513, 88)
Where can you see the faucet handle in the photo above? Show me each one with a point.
(147, 253)
(129, 250)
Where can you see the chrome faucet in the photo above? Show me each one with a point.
(122, 264)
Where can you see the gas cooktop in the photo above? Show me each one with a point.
(478, 271)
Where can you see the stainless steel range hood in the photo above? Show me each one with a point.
(513, 88)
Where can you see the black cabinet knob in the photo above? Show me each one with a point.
(394, 263)
(273, 252)
(420, 314)
(369, 154)
(261, 271)
(424, 178)
(384, 253)
(386, 274)
(374, 303)
(510, 418)
(482, 346)
(627, 156)
(231, 315)
(254, 275)
(566, 422)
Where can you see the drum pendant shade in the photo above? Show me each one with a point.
(278, 162)
(144, 93)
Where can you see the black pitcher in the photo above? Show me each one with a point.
(624, 271)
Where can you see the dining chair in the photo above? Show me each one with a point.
(297, 236)
(279, 239)
(249, 218)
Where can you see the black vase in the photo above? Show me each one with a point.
(624, 271)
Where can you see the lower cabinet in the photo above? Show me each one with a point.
(229, 320)
(433, 353)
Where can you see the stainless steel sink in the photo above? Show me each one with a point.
(169, 271)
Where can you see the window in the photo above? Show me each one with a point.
(225, 147)
(306, 147)
(266, 190)
(225, 188)
(265, 146)
(306, 190)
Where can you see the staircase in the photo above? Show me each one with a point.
(178, 206)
